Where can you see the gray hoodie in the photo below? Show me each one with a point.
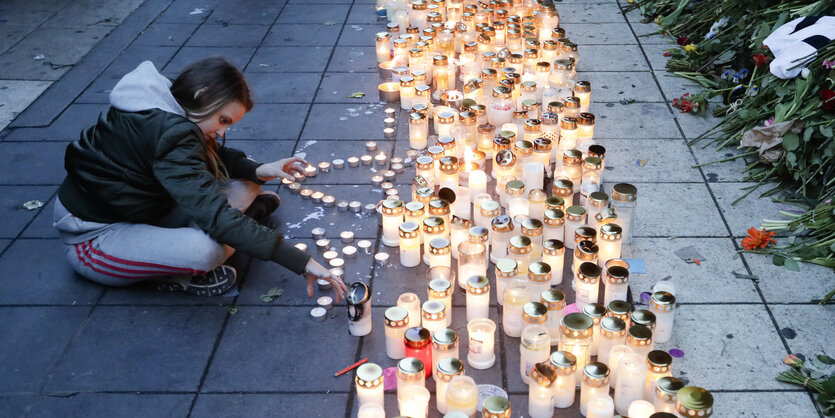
(144, 88)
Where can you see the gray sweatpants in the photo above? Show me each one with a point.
(121, 254)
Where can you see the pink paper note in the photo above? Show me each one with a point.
(390, 378)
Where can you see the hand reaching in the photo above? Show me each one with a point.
(314, 271)
(283, 168)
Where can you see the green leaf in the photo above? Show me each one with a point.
(791, 264)
(791, 158)
(826, 131)
(266, 299)
(356, 95)
(233, 310)
(832, 247)
(778, 260)
(275, 292)
(736, 255)
(816, 374)
(792, 239)
(791, 141)
(823, 358)
(807, 133)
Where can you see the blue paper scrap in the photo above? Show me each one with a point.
(636, 265)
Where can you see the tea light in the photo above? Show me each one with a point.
(318, 233)
(305, 193)
(299, 177)
(355, 206)
(323, 244)
(371, 146)
(389, 175)
(397, 167)
(371, 209)
(387, 186)
(564, 364)
(318, 313)
(364, 245)
(338, 273)
(324, 166)
(380, 259)
(328, 201)
(316, 197)
(287, 182)
(342, 206)
(336, 263)
(369, 384)
(323, 284)
(389, 133)
(376, 180)
(409, 244)
(366, 159)
(349, 251)
(325, 302)
(389, 122)
(310, 171)
(601, 406)
(353, 162)
(478, 297)
(390, 112)
(389, 91)
(346, 237)
(481, 353)
(338, 163)
(300, 245)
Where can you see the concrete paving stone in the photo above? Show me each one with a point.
(655, 55)
(649, 160)
(345, 121)
(747, 212)
(166, 34)
(298, 217)
(239, 56)
(354, 59)
(391, 280)
(17, 96)
(283, 87)
(34, 339)
(12, 34)
(690, 280)
(675, 209)
(133, 349)
(336, 87)
(30, 163)
(634, 16)
(317, 151)
(302, 354)
(262, 405)
(302, 35)
(92, 13)
(811, 326)
(706, 152)
(66, 127)
(779, 284)
(246, 12)
(27, 13)
(611, 58)
(16, 405)
(364, 14)
(4, 243)
(596, 13)
(353, 37)
(635, 120)
(318, 13)
(695, 126)
(270, 121)
(599, 33)
(29, 280)
(16, 218)
(726, 347)
(61, 47)
(278, 59)
(113, 404)
(612, 87)
(641, 28)
(759, 404)
(263, 151)
(99, 90)
(228, 35)
(188, 11)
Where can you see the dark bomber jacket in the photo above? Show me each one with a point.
(135, 166)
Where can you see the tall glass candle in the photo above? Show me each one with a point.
(462, 395)
(502, 227)
(612, 333)
(414, 402)
(407, 92)
(541, 391)
(369, 384)
(584, 252)
(553, 253)
(478, 297)
(444, 345)
(631, 378)
(535, 344)
(488, 209)
(659, 364)
(434, 313)
(582, 90)
(517, 202)
(392, 210)
(536, 204)
(418, 342)
(439, 252)
(694, 401)
(411, 303)
(639, 339)
(616, 356)
(504, 162)
(397, 321)
(415, 211)
(595, 383)
(576, 330)
(590, 180)
(609, 243)
(433, 227)
(472, 257)
(410, 372)
(554, 225)
(596, 202)
(458, 233)
(481, 343)
(371, 410)
(571, 168)
(519, 249)
(447, 369)
(586, 283)
(441, 290)
(532, 228)
(542, 153)
(515, 296)
(418, 130)
(564, 364)
(575, 218)
(554, 301)
(666, 394)
(409, 244)
(596, 312)
(539, 279)
(495, 406)
(663, 305)
(616, 285)
(601, 406)
(500, 110)
(425, 169)
(624, 200)
(383, 46)
(440, 207)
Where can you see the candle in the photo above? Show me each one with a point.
(478, 182)
(439, 252)
(418, 342)
(659, 364)
(369, 384)
(586, 283)
(540, 391)
(434, 315)
(397, 320)
(500, 110)
(585, 130)
(409, 244)
(616, 356)
(666, 394)
(595, 383)
(554, 301)
(519, 249)
(418, 131)
(536, 204)
(478, 297)
(504, 162)
(539, 279)
(415, 212)
(694, 401)
(576, 329)
(383, 47)
(407, 92)
(414, 402)
(663, 306)
(411, 303)
(532, 228)
(488, 209)
(446, 370)
(472, 255)
(590, 180)
(462, 395)
(441, 290)
(505, 272)
(410, 372)
(601, 406)
(585, 251)
(609, 242)
(564, 364)
(643, 317)
(553, 254)
(517, 202)
(639, 339)
(535, 344)
(440, 207)
(458, 233)
(371, 410)
(597, 202)
(481, 355)
(502, 227)
(533, 175)
(631, 378)
(624, 201)
(617, 283)
(596, 312)
(582, 90)
(444, 345)
(433, 227)
(640, 409)
(575, 218)
(612, 333)
(515, 295)
(389, 91)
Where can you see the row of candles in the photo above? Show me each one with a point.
(498, 81)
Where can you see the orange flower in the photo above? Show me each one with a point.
(757, 238)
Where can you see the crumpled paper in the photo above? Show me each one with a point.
(766, 138)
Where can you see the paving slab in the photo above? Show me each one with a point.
(67, 127)
(85, 13)
(12, 34)
(584, 13)
(241, 362)
(635, 120)
(336, 87)
(140, 349)
(41, 225)
(612, 87)
(354, 59)
(611, 58)
(756, 404)
(655, 55)
(188, 11)
(282, 87)
(674, 87)
(805, 327)
(302, 35)
(746, 213)
(279, 59)
(99, 90)
(32, 163)
(18, 94)
(4, 243)
(351, 36)
(15, 216)
(306, 215)
(166, 34)
(364, 14)
(111, 404)
(228, 35)
(314, 13)
(16, 405)
(28, 13)
(246, 12)
(61, 48)
(781, 285)
(270, 121)
(610, 33)
(729, 171)
(648, 160)
(345, 121)
(695, 126)
(239, 56)
(242, 405)
(34, 339)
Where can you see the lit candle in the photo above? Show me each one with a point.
(418, 131)
(586, 283)
(504, 162)
(444, 345)
(541, 391)
(585, 251)
(383, 47)
(564, 364)
(433, 227)
(462, 395)
(517, 202)
(663, 305)
(434, 315)
(582, 90)
(585, 131)
(666, 394)
(472, 255)
(369, 383)
(447, 369)
(440, 207)
(411, 303)
(620, 309)
(575, 218)
(410, 372)
(609, 243)
(441, 289)
(481, 354)
(595, 383)
(505, 272)
(409, 244)
(415, 211)
(639, 339)
(478, 297)
(554, 301)
(502, 227)
(519, 249)
(597, 202)
(407, 92)
(532, 228)
(694, 401)
(371, 410)
(425, 168)
(397, 320)
(478, 182)
(596, 312)
(515, 296)
(439, 252)
(389, 91)
(535, 344)
(616, 356)
(533, 175)
(640, 409)
(659, 364)
(576, 330)
(624, 200)
(601, 406)
(458, 233)
(539, 279)
(616, 285)
(536, 204)
(392, 212)
(542, 153)
(414, 402)
(418, 342)
(612, 333)
(631, 378)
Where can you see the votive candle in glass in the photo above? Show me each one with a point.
(458, 233)
(595, 383)
(541, 391)
(553, 254)
(694, 401)
(441, 290)
(519, 249)
(590, 180)
(585, 131)
(409, 244)
(554, 301)
(446, 370)
(418, 342)
(383, 40)
(616, 285)
(517, 202)
(582, 90)
(572, 168)
(505, 272)
(440, 207)
(641, 409)
(624, 200)
(449, 172)
(415, 211)
(504, 162)
(444, 345)
(554, 228)
(414, 402)
(643, 317)
(532, 228)
(576, 330)
(575, 218)
(562, 189)
(630, 381)
(620, 309)
(371, 410)
(568, 134)
(410, 372)
(481, 343)
(584, 252)
(472, 256)
(397, 321)
(392, 212)
(439, 252)
(407, 92)
(596, 312)
(535, 344)
(433, 227)
(462, 395)
(515, 297)
(612, 333)
(434, 313)
(639, 339)
(478, 297)
(616, 356)
(369, 384)
(539, 279)
(601, 406)
(666, 394)
(586, 283)
(663, 305)
(487, 210)
(418, 131)
(411, 303)
(536, 204)
(502, 227)
(564, 364)
(659, 364)
(596, 202)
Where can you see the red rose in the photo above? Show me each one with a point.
(828, 99)
(668, 53)
(683, 40)
(760, 60)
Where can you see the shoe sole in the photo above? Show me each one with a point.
(211, 288)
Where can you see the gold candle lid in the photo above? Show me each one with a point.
(606, 215)
(611, 326)
(598, 200)
(553, 247)
(519, 245)
(478, 285)
(532, 227)
(694, 401)
(542, 144)
(576, 325)
(522, 147)
(620, 308)
(554, 217)
(425, 194)
(438, 207)
(410, 368)
(567, 122)
(624, 192)
(595, 311)
(617, 275)
(444, 339)
(502, 223)
(369, 375)
(392, 207)
(586, 251)
(506, 268)
(659, 361)
(643, 317)
(414, 208)
(639, 335)
(585, 233)
(555, 202)
(592, 163)
(669, 386)
(563, 362)
(449, 165)
(588, 273)
(409, 230)
(539, 272)
(449, 367)
(543, 374)
(595, 371)
(433, 310)
(582, 87)
(505, 157)
(564, 188)
(515, 188)
(490, 208)
(460, 223)
(417, 337)
(478, 234)
(439, 246)
(501, 92)
(396, 317)
(534, 313)
(433, 225)
(495, 407)
(662, 301)
(575, 213)
(553, 299)
(586, 119)
(383, 36)
(439, 288)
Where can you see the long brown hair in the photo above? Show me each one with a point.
(202, 89)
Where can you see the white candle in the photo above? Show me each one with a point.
(409, 244)
(554, 300)
(631, 378)
(411, 303)
(601, 406)
(553, 254)
(487, 210)
(616, 354)
(418, 131)
(663, 306)
(576, 335)
(462, 395)
(595, 383)
(535, 344)
(434, 315)
(519, 249)
(478, 297)
(666, 394)
(596, 312)
(539, 279)
(536, 204)
(640, 409)
(541, 392)
(639, 339)
(481, 353)
(582, 90)
(575, 218)
(478, 182)
(616, 285)
(586, 283)
(502, 227)
(565, 365)
(441, 289)
(433, 227)
(371, 410)
(534, 173)
(407, 92)
(414, 402)
(383, 46)
(612, 333)
(446, 370)
(515, 296)
(369, 384)
(659, 364)
(458, 233)
(397, 321)
(609, 243)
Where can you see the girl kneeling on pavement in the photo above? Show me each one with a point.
(151, 196)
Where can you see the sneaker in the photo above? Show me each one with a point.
(212, 283)
(263, 206)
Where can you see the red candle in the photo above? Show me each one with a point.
(419, 345)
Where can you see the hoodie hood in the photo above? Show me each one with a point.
(144, 88)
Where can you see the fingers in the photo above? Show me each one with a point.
(299, 159)
(310, 287)
(284, 175)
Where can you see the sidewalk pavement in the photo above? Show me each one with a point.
(73, 348)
